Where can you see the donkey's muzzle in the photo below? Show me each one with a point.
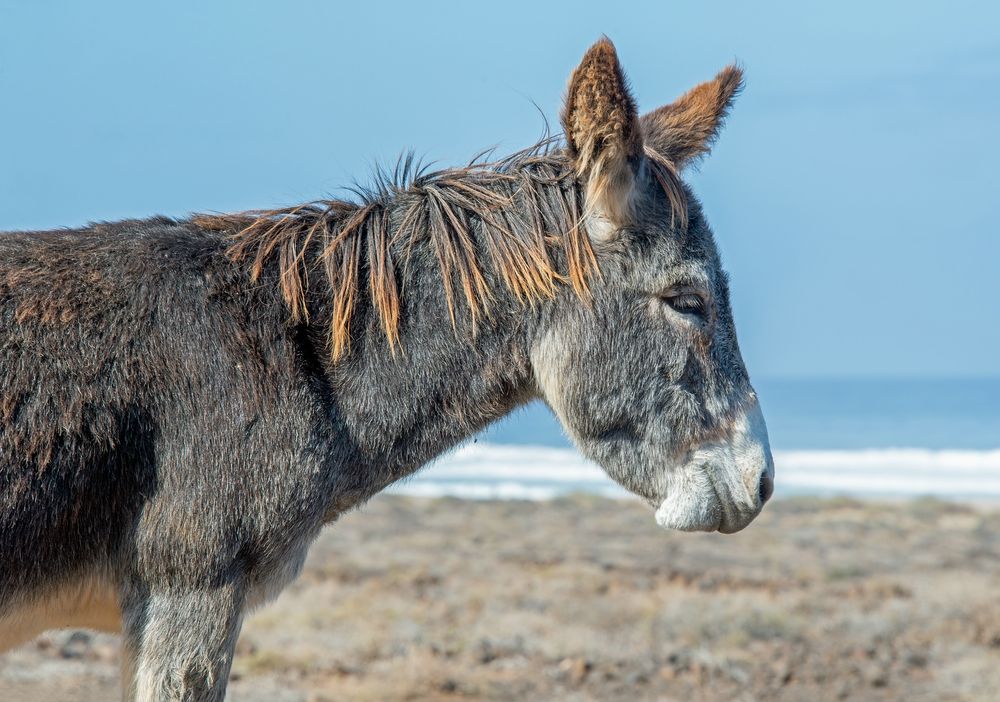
(724, 484)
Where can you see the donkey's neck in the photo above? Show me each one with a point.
(400, 410)
(398, 406)
(433, 294)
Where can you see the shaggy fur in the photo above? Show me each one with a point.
(513, 218)
(185, 403)
(509, 218)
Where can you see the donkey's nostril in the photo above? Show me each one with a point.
(765, 488)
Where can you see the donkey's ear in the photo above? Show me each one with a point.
(603, 135)
(686, 129)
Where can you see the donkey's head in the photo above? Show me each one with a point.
(647, 377)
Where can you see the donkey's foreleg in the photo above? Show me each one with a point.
(179, 644)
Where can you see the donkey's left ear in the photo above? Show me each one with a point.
(685, 130)
(604, 137)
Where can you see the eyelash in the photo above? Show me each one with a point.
(688, 303)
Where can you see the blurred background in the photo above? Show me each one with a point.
(854, 199)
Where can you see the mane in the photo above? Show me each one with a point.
(526, 205)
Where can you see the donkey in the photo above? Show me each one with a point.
(185, 403)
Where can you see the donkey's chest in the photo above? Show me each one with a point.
(268, 581)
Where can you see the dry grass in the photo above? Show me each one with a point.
(585, 599)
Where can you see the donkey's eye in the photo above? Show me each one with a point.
(685, 302)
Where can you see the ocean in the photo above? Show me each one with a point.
(878, 438)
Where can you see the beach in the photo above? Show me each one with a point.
(585, 598)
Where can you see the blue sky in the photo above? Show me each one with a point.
(854, 193)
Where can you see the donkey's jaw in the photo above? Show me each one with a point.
(719, 487)
(692, 503)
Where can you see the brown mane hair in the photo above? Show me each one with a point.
(525, 205)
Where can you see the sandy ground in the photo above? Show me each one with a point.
(586, 599)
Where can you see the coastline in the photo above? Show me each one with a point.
(496, 471)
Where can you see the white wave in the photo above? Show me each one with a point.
(895, 472)
(491, 471)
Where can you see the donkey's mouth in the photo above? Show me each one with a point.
(668, 522)
(692, 502)
(684, 516)
(698, 503)
(722, 485)
(707, 516)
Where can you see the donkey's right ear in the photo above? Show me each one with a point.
(604, 138)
